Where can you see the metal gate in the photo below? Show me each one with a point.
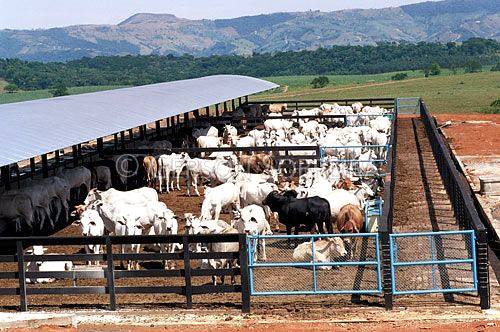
(408, 105)
(312, 264)
(434, 262)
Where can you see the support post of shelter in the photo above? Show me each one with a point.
(131, 135)
(75, 155)
(217, 110)
(45, 166)
(239, 101)
(186, 119)
(158, 129)
(115, 141)
(100, 147)
(57, 159)
(225, 107)
(207, 111)
(141, 133)
(32, 167)
(246, 99)
(233, 105)
(6, 176)
(122, 139)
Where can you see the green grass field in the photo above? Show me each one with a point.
(39, 94)
(447, 93)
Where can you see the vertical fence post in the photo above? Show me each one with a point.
(245, 282)
(110, 274)
(482, 268)
(187, 272)
(22, 276)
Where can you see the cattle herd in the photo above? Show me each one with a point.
(250, 186)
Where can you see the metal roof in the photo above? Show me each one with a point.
(33, 128)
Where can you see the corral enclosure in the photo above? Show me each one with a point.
(385, 263)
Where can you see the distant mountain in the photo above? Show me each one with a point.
(443, 21)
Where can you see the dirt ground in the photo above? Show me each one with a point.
(416, 193)
(473, 134)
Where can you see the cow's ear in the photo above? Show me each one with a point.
(121, 222)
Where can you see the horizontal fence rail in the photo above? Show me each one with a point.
(315, 264)
(25, 275)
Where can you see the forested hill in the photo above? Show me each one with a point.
(139, 70)
(163, 34)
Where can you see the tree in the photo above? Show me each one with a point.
(11, 88)
(496, 67)
(320, 82)
(473, 66)
(434, 69)
(59, 90)
(399, 77)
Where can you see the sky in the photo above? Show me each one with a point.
(32, 14)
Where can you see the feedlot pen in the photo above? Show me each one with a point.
(421, 204)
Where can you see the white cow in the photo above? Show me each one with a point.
(168, 164)
(219, 227)
(252, 220)
(216, 198)
(76, 177)
(208, 142)
(91, 224)
(139, 196)
(325, 251)
(102, 178)
(211, 131)
(166, 224)
(42, 266)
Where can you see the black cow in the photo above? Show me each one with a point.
(294, 212)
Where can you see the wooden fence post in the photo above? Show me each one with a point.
(245, 282)
(187, 272)
(111, 274)
(22, 276)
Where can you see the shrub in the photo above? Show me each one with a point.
(496, 67)
(399, 77)
(11, 88)
(473, 66)
(494, 108)
(320, 82)
(59, 90)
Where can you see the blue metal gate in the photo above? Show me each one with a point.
(434, 262)
(300, 265)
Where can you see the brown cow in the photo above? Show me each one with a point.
(151, 167)
(274, 108)
(350, 220)
(256, 163)
(346, 185)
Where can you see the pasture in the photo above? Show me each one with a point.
(19, 96)
(447, 93)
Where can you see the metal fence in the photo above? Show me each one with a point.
(185, 258)
(315, 264)
(433, 262)
(461, 199)
(408, 105)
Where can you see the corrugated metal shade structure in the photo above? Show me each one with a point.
(33, 128)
